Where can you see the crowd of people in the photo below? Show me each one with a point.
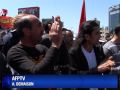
(32, 48)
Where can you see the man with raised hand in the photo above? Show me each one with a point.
(29, 58)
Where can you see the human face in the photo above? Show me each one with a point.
(94, 36)
(37, 30)
(49, 26)
(69, 39)
(69, 36)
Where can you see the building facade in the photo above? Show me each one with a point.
(114, 16)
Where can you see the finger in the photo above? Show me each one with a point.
(111, 62)
(57, 18)
(52, 27)
(56, 27)
(56, 22)
(110, 58)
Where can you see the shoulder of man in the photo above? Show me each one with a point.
(15, 49)
(74, 48)
(108, 45)
(109, 48)
(41, 47)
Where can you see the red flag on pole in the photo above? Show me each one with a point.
(83, 16)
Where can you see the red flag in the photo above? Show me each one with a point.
(83, 16)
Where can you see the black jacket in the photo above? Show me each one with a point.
(28, 60)
(78, 62)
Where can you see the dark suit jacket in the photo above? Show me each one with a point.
(78, 60)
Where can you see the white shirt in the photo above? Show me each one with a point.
(91, 58)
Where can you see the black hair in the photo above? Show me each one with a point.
(0, 27)
(21, 24)
(86, 28)
(117, 29)
(46, 27)
(64, 29)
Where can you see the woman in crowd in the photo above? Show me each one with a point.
(86, 55)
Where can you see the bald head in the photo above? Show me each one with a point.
(26, 21)
(18, 17)
(29, 17)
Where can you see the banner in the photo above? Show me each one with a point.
(30, 10)
(6, 22)
(61, 81)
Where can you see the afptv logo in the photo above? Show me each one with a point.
(17, 78)
(20, 81)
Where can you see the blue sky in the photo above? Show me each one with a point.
(69, 10)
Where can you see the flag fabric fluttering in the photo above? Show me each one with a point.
(83, 16)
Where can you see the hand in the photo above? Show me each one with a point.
(106, 65)
(57, 19)
(56, 33)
